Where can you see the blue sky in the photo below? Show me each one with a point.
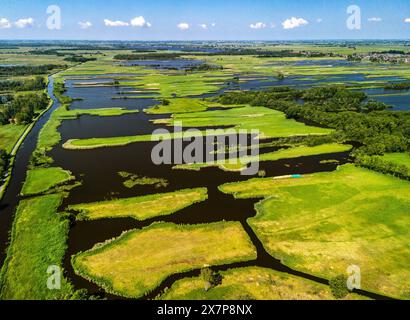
(204, 20)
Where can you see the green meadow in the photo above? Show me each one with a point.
(271, 123)
(38, 241)
(238, 164)
(183, 105)
(40, 180)
(398, 158)
(141, 208)
(325, 222)
(138, 261)
(9, 135)
(252, 283)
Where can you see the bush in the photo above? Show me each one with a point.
(211, 278)
(3, 161)
(338, 286)
(380, 165)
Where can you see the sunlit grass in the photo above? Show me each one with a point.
(137, 262)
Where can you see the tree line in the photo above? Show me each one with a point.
(22, 108)
(380, 165)
(22, 70)
(38, 83)
(398, 86)
(3, 162)
(79, 59)
(148, 56)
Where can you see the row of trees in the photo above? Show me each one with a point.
(23, 70)
(204, 67)
(38, 83)
(148, 56)
(380, 165)
(3, 161)
(22, 108)
(398, 86)
(79, 59)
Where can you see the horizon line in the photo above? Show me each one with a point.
(215, 40)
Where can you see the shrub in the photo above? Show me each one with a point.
(338, 286)
(211, 278)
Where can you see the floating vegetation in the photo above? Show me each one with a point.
(133, 180)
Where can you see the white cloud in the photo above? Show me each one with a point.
(140, 22)
(4, 23)
(205, 26)
(257, 25)
(22, 23)
(407, 20)
(294, 23)
(319, 20)
(375, 19)
(183, 26)
(85, 24)
(117, 23)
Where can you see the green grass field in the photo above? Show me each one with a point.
(325, 222)
(179, 105)
(103, 112)
(398, 158)
(38, 241)
(180, 84)
(9, 135)
(185, 105)
(43, 179)
(94, 143)
(143, 207)
(271, 123)
(136, 263)
(252, 283)
(295, 152)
